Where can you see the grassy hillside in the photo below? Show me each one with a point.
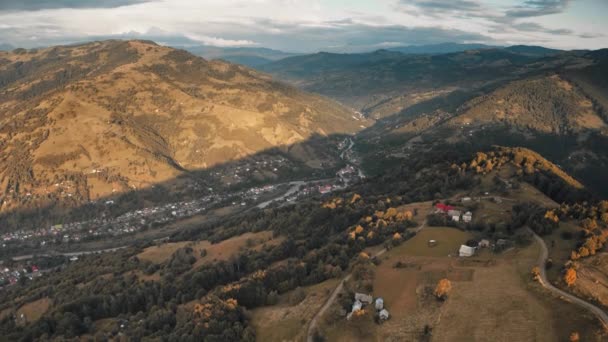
(83, 122)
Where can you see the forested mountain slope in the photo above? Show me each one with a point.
(82, 122)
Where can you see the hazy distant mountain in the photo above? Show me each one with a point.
(318, 64)
(533, 50)
(253, 57)
(6, 47)
(440, 48)
(385, 82)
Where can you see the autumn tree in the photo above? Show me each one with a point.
(443, 288)
(536, 273)
(397, 238)
(551, 216)
(575, 337)
(570, 276)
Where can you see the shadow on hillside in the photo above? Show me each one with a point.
(372, 144)
(315, 158)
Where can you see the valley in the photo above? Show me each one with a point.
(152, 194)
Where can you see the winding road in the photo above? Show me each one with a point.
(542, 259)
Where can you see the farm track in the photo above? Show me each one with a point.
(542, 259)
(312, 327)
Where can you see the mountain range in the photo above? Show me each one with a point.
(519, 96)
(82, 122)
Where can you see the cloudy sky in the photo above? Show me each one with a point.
(308, 25)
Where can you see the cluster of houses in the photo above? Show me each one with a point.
(453, 214)
(362, 300)
(127, 223)
(242, 170)
(10, 276)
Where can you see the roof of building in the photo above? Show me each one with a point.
(464, 249)
(444, 207)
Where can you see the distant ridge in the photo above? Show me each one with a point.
(441, 48)
(533, 50)
(248, 56)
(6, 47)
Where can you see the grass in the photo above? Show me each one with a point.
(34, 310)
(285, 322)
(493, 298)
(560, 249)
(215, 252)
(448, 242)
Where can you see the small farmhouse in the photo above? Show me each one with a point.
(467, 217)
(363, 298)
(454, 215)
(379, 303)
(384, 315)
(484, 243)
(466, 251)
(440, 207)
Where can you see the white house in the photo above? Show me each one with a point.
(357, 305)
(467, 217)
(484, 243)
(454, 215)
(466, 251)
(453, 212)
(384, 315)
(379, 303)
(363, 298)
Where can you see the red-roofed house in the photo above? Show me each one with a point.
(443, 207)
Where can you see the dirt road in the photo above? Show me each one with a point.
(542, 259)
(312, 327)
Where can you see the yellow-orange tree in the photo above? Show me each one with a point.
(443, 288)
(570, 276)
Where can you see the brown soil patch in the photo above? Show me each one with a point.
(215, 252)
(33, 311)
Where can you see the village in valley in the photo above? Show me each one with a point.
(60, 239)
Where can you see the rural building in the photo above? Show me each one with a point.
(440, 207)
(467, 217)
(465, 199)
(379, 303)
(324, 189)
(384, 315)
(466, 251)
(357, 305)
(453, 212)
(363, 298)
(484, 243)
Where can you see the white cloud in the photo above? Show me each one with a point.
(298, 25)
